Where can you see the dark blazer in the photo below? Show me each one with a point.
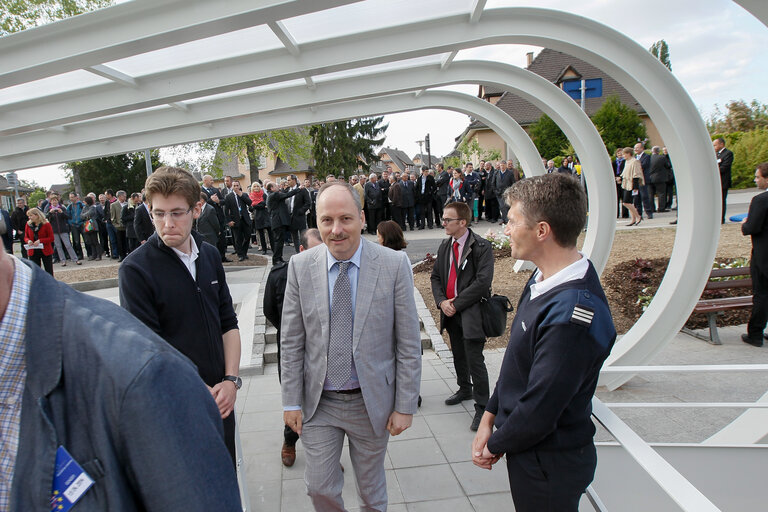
(373, 195)
(301, 204)
(278, 210)
(8, 235)
(503, 182)
(473, 281)
(142, 224)
(239, 216)
(660, 169)
(441, 184)
(208, 225)
(120, 434)
(218, 207)
(407, 194)
(645, 162)
(724, 163)
(395, 194)
(756, 226)
(126, 217)
(429, 190)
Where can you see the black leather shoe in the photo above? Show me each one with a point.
(755, 343)
(476, 421)
(242, 258)
(458, 397)
(765, 336)
(226, 260)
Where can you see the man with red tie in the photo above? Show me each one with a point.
(462, 275)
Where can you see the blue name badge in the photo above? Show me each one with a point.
(69, 482)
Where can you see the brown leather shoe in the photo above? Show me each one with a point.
(288, 454)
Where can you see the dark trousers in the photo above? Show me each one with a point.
(437, 208)
(296, 238)
(481, 208)
(112, 233)
(469, 363)
(409, 215)
(425, 214)
(133, 243)
(621, 210)
(646, 201)
(387, 210)
(660, 191)
(43, 261)
(375, 215)
(277, 248)
(550, 480)
(122, 244)
(398, 216)
(221, 245)
(104, 238)
(242, 237)
(759, 315)
(229, 435)
(77, 234)
(725, 182)
(492, 209)
(670, 193)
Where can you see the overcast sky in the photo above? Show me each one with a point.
(717, 49)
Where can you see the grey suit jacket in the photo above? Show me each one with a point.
(385, 341)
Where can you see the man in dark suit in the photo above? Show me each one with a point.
(142, 223)
(216, 201)
(395, 196)
(462, 275)
(506, 178)
(425, 192)
(755, 226)
(374, 200)
(208, 223)
(443, 190)
(238, 219)
(18, 221)
(407, 200)
(618, 168)
(645, 201)
(724, 163)
(660, 170)
(279, 216)
(298, 205)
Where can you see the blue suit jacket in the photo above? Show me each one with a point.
(128, 407)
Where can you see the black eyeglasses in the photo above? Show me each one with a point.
(446, 220)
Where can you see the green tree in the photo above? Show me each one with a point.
(119, 172)
(548, 137)
(339, 147)
(740, 117)
(291, 146)
(618, 125)
(749, 150)
(17, 15)
(660, 50)
(472, 148)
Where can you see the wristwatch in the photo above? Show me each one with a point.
(237, 380)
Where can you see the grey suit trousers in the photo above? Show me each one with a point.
(323, 439)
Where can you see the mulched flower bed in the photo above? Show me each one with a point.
(625, 282)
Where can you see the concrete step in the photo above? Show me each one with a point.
(270, 353)
(270, 337)
(426, 341)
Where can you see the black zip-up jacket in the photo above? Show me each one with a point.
(157, 288)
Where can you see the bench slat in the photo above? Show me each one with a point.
(729, 272)
(727, 285)
(727, 303)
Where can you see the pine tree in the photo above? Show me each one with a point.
(339, 147)
(660, 50)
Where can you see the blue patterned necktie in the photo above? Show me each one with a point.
(340, 346)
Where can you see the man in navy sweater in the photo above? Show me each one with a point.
(562, 333)
(175, 284)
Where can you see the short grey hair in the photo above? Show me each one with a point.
(372, 175)
(345, 185)
(120, 192)
(655, 150)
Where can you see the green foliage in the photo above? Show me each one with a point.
(740, 117)
(339, 147)
(749, 150)
(472, 148)
(618, 125)
(119, 172)
(35, 196)
(660, 50)
(17, 15)
(558, 160)
(548, 137)
(452, 161)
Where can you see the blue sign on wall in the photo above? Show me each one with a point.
(594, 88)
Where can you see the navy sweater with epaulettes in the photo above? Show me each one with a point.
(558, 343)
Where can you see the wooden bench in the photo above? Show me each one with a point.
(713, 307)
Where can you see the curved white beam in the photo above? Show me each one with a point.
(134, 27)
(551, 99)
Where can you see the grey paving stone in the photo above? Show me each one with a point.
(452, 505)
(449, 424)
(270, 353)
(475, 480)
(295, 499)
(262, 402)
(415, 452)
(265, 496)
(417, 430)
(495, 501)
(436, 405)
(428, 483)
(428, 372)
(261, 421)
(394, 494)
(258, 443)
(261, 469)
(436, 387)
(457, 447)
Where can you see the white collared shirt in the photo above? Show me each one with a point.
(574, 271)
(189, 259)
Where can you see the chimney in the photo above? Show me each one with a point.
(529, 58)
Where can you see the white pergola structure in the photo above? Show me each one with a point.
(148, 74)
(151, 73)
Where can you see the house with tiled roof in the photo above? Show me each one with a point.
(398, 160)
(421, 159)
(566, 72)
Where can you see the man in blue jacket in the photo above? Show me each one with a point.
(563, 331)
(128, 409)
(175, 284)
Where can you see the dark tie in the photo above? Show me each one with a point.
(451, 291)
(340, 346)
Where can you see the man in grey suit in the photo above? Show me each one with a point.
(348, 368)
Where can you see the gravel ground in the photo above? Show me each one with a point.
(628, 245)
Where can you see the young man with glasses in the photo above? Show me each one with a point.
(175, 284)
(462, 275)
